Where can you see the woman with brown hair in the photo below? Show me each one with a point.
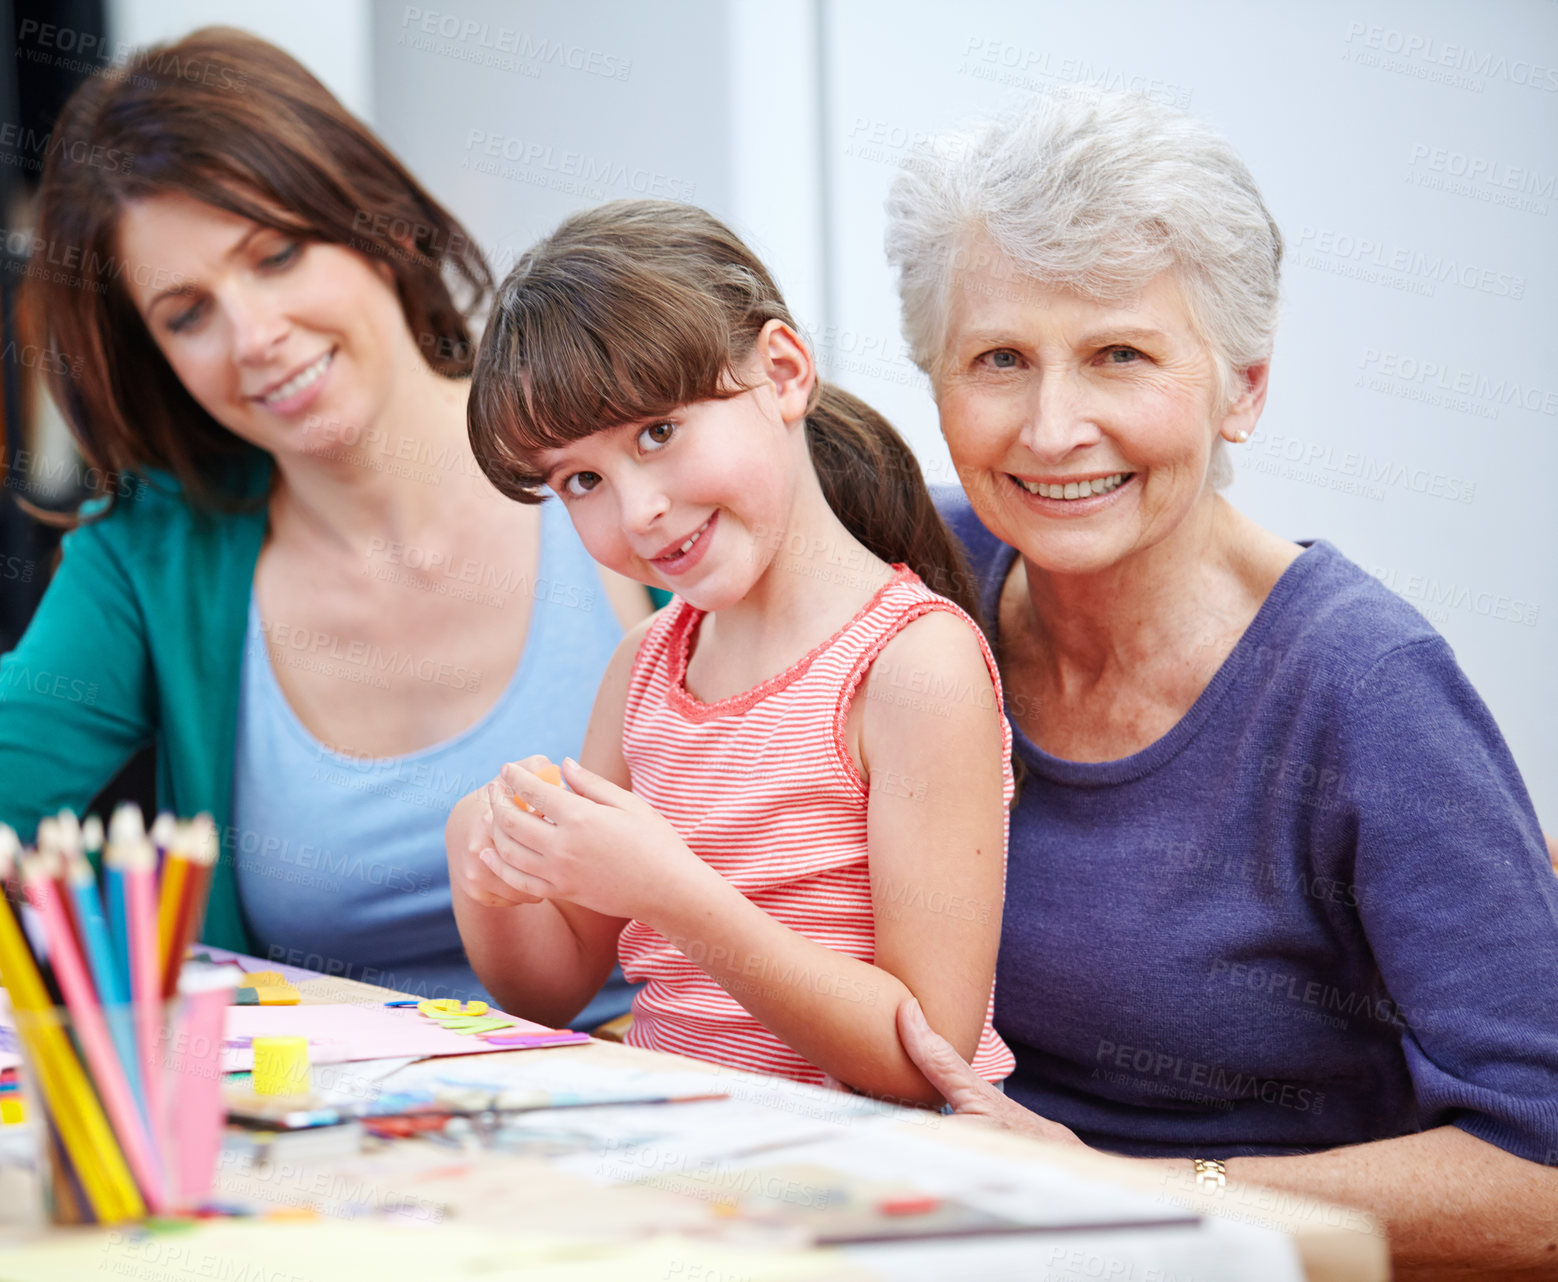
(310, 598)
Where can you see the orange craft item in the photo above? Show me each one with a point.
(548, 774)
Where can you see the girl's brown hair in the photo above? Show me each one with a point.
(236, 123)
(632, 309)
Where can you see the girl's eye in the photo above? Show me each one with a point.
(655, 435)
(1122, 355)
(1000, 358)
(188, 318)
(282, 257)
(581, 483)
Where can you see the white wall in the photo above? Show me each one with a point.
(329, 37)
(515, 115)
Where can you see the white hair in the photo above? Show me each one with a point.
(1096, 193)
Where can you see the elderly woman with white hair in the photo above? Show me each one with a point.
(1277, 899)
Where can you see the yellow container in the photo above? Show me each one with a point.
(281, 1066)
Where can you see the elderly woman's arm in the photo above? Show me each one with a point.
(1443, 1196)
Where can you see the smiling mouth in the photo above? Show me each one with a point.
(1069, 490)
(299, 382)
(681, 549)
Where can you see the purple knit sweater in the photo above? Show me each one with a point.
(1317, 911)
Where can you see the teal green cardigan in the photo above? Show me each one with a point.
(139, 639)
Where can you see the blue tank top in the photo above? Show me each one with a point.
(340, 860)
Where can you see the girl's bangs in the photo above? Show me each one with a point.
(565, 360)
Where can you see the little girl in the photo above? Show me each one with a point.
(818, 764)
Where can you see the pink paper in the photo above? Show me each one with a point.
(339, 1034)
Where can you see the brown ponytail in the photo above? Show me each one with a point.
(873, 483)
(634, 308)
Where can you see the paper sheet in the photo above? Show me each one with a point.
(341, 1034)
(1026, 1192)
(570, 1077)
(1213, 1251)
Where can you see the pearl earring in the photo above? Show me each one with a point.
(1241, 437)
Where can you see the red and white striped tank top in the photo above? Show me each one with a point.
(762, 787)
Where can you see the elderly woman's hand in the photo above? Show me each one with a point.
(964, 1089)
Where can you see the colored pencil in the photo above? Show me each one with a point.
(67, 830)
(114, 905)
(92, 1033)
(88, 1140)
(56, 835)
(171, 904)
(163, 829)
(92, 840)
(200, 853)
(113, 988)
(27, 913)
(126, 829)
(136, 861)
(70, 1201)
(112, 984)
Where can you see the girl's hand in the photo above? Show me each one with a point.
(467, 834)
(598, 846)
(964, 1089)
